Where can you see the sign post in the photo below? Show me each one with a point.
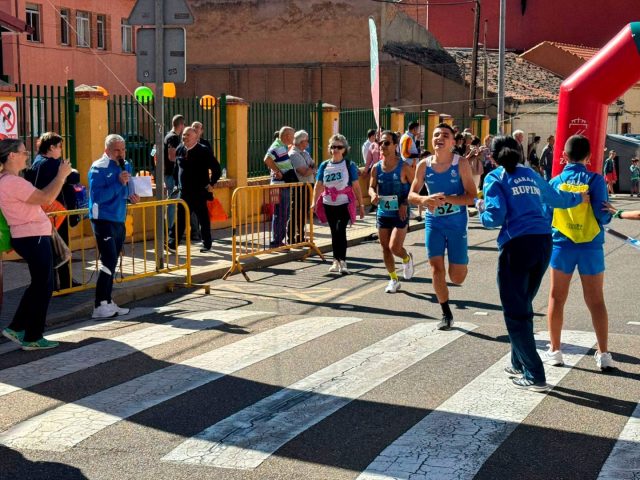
(161, 57)
(8, 119)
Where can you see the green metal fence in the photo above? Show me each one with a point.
(44, 108)
(135, 122)
(354, 125)
(266, 118)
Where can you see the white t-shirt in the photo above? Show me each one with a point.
(336, 176)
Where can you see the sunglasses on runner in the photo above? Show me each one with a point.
(336, 147)
(386, 143)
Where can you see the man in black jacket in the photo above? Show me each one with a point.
(196, 172)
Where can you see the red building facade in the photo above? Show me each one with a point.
(591, 22)
(86, 41)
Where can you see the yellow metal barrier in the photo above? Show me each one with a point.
(140, 257)
(270, 218)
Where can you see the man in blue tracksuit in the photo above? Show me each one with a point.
(583, 251)
(108, 194)
(514, 198)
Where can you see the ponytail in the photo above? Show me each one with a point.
(505, 152)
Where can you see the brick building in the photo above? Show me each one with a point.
(300, 51)
(82, 40)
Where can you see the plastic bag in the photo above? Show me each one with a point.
(216, 211)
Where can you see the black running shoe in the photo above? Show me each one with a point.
(446, 323)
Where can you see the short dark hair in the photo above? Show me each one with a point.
(475, 140)
(577, 148)
(505, 151)
(394, 136)
(413, 125)
(177, 120)
(447, 126)
(371, 132)
(48, 140)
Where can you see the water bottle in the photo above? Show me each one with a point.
(153, 151)
(224, 173)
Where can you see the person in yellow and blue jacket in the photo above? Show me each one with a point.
(581, 248)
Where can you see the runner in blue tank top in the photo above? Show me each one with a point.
(389, 189)
(451, 188)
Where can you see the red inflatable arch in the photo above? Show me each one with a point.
(585, 96)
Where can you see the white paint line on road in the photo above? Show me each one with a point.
(455, 440)
(247, 438)
(92, 326)
(624, 460)
(633, 323)
(56, 366)
(66, 426)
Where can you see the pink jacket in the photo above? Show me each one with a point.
(333, 193)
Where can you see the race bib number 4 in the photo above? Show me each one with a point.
(388, 203)
(446, 209)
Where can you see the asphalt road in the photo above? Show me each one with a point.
(305, 374)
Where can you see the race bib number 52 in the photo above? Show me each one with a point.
(446, 209)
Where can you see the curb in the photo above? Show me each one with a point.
(124, 293)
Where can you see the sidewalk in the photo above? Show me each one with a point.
(205, 268)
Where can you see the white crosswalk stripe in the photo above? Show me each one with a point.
(55, 366)
(246, 439)
(455, 440)
(624, 461)
(68, 425)
(90, 326)
(453, 436)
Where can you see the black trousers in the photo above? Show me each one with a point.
(299, 216)
(521, 266)
(338, 218)
(197, 205)
(31, 314)
(110, 239)
(64, 273)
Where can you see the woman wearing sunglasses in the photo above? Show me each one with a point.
(336, 195)
(31, 239)
(389, 189)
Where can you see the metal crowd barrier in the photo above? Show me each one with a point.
(140, 256)
(270, 218)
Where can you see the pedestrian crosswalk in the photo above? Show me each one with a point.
(453, 440)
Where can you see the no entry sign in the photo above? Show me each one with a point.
(8, 119)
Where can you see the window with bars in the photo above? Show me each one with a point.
(33, 20)
(83, 31)
(64, 27)
(127, 36)
(101, 32)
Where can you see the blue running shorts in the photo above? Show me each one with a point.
(588, 261)
(454, 241)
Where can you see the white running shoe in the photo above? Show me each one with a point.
(117, 309)
(407, 268)
(343, 267)
(104, 310)
(552, 358)
(335, 267)
(392, 287)
(604, 361)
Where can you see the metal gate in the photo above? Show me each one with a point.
(48, 108)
